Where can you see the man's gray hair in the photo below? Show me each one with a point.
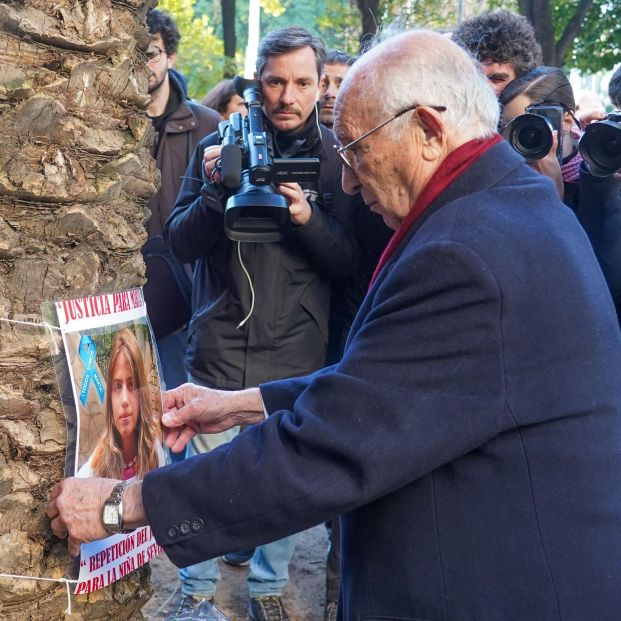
(439, 73)
(289, 39)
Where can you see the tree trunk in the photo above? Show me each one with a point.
(539, 13)
(369, 15)
(75, 175)
(228, 36)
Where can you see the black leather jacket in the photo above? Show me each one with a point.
(287, 331)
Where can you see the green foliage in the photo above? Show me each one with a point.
(201, 52)
(598, 45)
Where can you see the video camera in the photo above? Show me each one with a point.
(600, 145)
(530, 134)
(255, 211)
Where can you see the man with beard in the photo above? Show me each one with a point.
(179, 124)
(261, 310)
(337, 65)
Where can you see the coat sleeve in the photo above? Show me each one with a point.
(421, 383)
(196, 222)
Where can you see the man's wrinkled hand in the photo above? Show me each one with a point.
(75, 509)
(191, 409)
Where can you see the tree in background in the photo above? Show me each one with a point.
(201, 53)
(75, 177)
(573, 33)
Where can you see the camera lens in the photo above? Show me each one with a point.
(600, 146)
(530, 135)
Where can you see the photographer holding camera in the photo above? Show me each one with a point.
(599, 211)
(582, 166)
(260, 309)
(545, 92)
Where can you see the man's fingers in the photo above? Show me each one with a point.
(74, 546)
(174, 417)
(52, 509)
(177, 439)
(55, 491)
(59, 528)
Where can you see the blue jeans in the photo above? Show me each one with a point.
(268, 572)
(267, 575)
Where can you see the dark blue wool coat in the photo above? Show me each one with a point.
(470, 437)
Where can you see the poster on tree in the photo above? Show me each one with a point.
(114, 382)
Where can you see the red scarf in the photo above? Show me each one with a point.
(453, 166)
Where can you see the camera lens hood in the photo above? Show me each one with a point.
(600, 146)
(530, 135)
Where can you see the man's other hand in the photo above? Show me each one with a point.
(299, 208)
(191, 409)
(211, 156)
(75, 508)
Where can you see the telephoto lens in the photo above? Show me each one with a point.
(600, 145)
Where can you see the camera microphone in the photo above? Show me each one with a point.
(231, 165)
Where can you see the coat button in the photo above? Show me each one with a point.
(197, 525)
(184, 528)
(172, 532)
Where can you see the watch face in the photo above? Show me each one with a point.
(111, 514)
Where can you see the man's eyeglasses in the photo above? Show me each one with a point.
(154, 53)
(346, 155)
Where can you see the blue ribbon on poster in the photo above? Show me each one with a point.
(88, 351)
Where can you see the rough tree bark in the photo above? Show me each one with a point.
(75, 175)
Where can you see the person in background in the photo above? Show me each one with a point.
(260, 310)
(223, 98)
(504, 44)
(550, 86)
(179, 124)
(599, 211)
(337, 65)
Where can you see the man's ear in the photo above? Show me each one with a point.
(434, 135)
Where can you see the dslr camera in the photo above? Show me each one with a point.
(600, 145)
(530, 134)
(255, 211)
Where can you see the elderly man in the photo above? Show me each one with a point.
(476, 410)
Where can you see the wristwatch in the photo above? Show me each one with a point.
(112, 514)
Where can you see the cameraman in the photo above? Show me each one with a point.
(260, 310)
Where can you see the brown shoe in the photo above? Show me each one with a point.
(267, 608)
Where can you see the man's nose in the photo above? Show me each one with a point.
(288, 96)
(349, 180)
(331, 92)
